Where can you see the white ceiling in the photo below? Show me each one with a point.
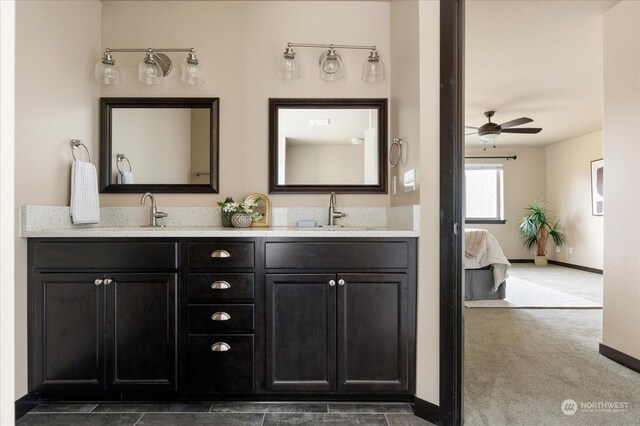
(537, 59)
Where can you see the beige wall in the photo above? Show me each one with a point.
(325, 164)
(621, 314)
(143, 134)
(524, 182)
(405, 95)
(240, 44)
(200, 145)
(7, 188)
(52, 107)
(428, 345)
(569, 193)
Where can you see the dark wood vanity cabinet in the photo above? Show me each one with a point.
(341, 332)
(103, 330)
(222, 350)
(260, 318)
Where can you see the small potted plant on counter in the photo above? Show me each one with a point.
(243, 214)
(536, 228)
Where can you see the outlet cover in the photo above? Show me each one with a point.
(557, 249)
(409, 180)
(570, 250)
(394, 185)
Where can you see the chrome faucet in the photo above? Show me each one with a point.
(154, 214)
(333, 214)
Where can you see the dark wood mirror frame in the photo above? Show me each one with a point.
(106, 107)
(311, 103)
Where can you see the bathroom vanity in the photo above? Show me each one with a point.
(202, 314)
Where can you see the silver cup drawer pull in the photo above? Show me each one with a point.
(220, 347)
(98, 282)
(220, 253)
(220, 316)
(220, 285)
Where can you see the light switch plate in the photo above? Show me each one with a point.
(409, 180)
(394, 185)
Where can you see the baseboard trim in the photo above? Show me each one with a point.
(620, 357)
(427, 411)
(25, 404)
(572, 266)
(521, 260)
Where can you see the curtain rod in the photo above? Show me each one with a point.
(515, 157)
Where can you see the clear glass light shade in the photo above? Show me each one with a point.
(150, 73)
(331, 66)
(192, 74)
(107, 73)
(288, 68)
(373, 71)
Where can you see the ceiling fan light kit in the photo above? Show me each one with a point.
(490, 131)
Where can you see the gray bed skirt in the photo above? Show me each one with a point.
(479, 285)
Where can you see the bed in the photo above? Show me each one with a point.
(485, 266)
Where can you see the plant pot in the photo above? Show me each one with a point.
(540, 260)
(241, 220)
(226, 216)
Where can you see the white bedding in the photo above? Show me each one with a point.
(489, 253)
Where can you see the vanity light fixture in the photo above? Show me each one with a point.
(152, 69)
(330, 62)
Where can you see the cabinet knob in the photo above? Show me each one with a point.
(220, 316)
(107, 281)
(220, 285)
(97, 282)
(220, 253)
(220, 347)
(332, 283)
(341, 282)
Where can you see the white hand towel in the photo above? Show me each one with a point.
(84, 207)
(127, 178)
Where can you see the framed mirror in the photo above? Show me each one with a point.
(162, 145)
(324, 145)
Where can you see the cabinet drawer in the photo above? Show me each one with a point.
(106, 255)
(341, 255)
(221, 255)
(212, 372)
(206, 319)
(221, 286)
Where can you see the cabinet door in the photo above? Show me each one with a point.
(301, 332)
(141, 331)
(373, 332)
(67, 319)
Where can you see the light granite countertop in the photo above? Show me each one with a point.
(213, 232)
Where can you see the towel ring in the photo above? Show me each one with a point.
(119, 159)
(397, 142)
(75, 144)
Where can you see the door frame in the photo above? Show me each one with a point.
(451, 410)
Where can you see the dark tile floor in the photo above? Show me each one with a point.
(223, 413)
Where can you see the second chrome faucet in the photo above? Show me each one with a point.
(333, 214)
(154, 214)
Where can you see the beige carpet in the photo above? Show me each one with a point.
(526, 294)
(521, 364)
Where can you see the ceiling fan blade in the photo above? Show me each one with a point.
(523, 130)
(473, 133)
(516, 122)
(471, 127)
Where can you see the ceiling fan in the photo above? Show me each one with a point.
(488, 132)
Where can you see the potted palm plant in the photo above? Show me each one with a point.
(536, 228)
